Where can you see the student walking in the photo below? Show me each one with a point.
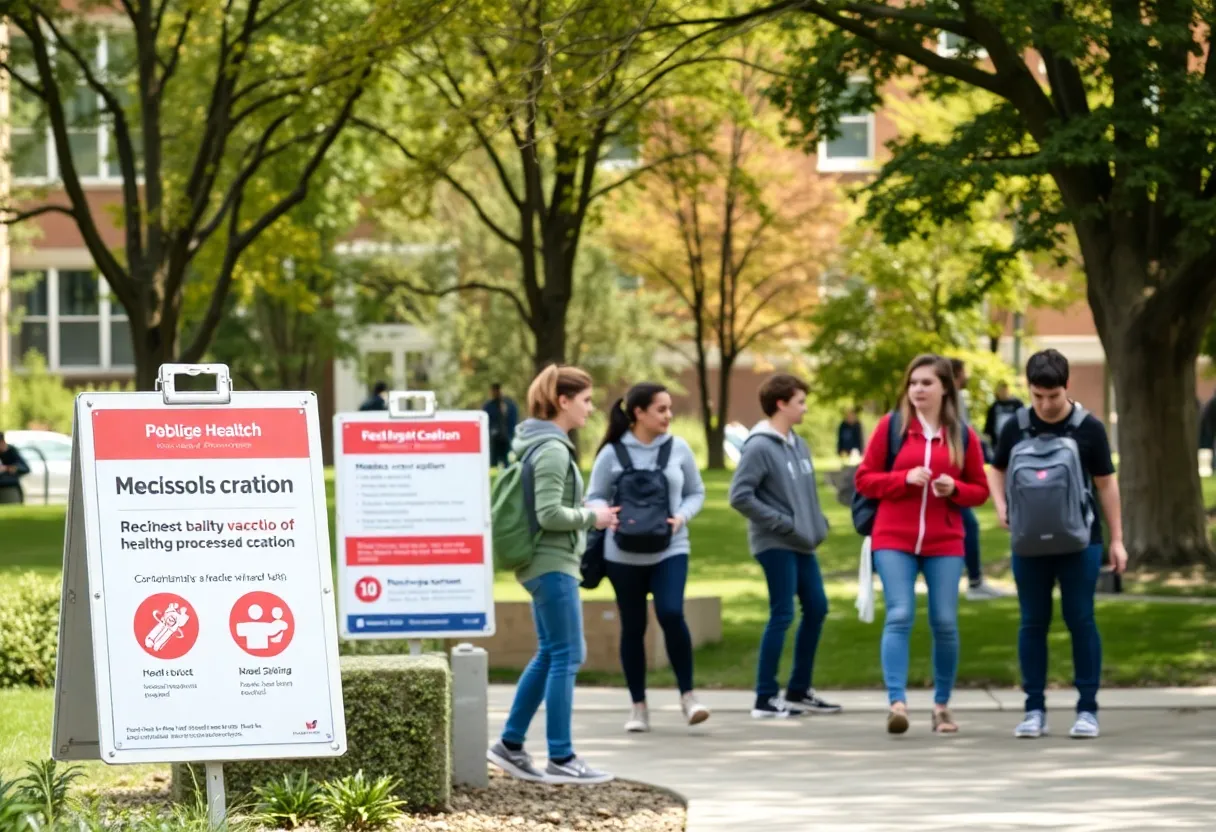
(559, 401)
(937, 471)
(774, 488)
(1048, 462)
(653, 480)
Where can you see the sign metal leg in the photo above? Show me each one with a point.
(217, 802)
(415, 647)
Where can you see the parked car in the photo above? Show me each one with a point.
(49, 456)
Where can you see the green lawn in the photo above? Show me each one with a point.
(1145, 643)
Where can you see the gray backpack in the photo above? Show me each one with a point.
(1050, 508)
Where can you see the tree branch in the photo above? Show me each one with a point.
(22, 216)
(747, 342)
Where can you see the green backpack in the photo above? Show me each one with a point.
(514, 528)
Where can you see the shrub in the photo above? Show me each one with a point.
(288, 803)
(398, 723)
(357, 804)
(46, 786)
(29, 630)
(17, 814)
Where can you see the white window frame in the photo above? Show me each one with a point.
(947, 51)
(102, 175)
(109, 312)
(852, 164)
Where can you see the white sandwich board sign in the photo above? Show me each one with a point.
(412, 489)
(197, 619)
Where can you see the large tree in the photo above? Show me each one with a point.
(1102, 125)
(199, 100)
(539, 95)
(734, 234)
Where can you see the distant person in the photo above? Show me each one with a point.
(938, 472)
(1002, 409)
(378, 400)
(977, 588)
(1207, 427)
(774, 488)
(849, 436)
(652, 477)
(559, 401)
(1031, 508)
(12, 468)
(503, 417)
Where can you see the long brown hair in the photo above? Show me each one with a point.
(952, 425)
(553, 383)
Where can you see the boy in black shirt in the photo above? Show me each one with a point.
(1077, 572)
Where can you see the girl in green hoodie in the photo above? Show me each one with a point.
(560, 401)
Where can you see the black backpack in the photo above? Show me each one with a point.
(865, 509)
(643, 499)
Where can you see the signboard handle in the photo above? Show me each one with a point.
(167, 380)
(217, 802)
(424, 398)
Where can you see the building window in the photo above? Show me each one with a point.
(854, 148)
(89, 127)
(69, 317)
(950, 44)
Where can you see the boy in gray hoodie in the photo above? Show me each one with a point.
(774, 488)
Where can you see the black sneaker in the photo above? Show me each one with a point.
(515, 763)
(809, 703)
(771, 708)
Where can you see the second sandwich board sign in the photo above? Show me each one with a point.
(413, 516)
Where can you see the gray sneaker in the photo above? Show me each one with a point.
(1032, 727)
(985, 592)
(575, 772)
(515, 763)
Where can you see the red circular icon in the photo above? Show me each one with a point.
(367, 589)
(261, 623)
(166, 626)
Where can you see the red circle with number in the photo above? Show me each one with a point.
(166, 626)
(368, 589)
(261, 624)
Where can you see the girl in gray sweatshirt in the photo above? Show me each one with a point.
(638, 427)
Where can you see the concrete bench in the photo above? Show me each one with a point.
(514, 642)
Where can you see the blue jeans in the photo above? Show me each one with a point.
(558, 613)
(1077, 575)
(898, 572)
(971, 545)
(665, 581)
(790, 574)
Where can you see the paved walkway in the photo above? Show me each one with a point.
(1153, 768)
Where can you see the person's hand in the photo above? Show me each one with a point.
(605, 516)
(918, 476)
(676, 523)
(944, 485)
(1118, 557)
(1002, 514)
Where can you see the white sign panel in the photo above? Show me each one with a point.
(209, 581)
(413, 521)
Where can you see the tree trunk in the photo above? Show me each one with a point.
(151, 351)
(716, 433)
(713, 432)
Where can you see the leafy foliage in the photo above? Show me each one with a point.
(289, 802)
(360, 804)
(46, 786)
(17, 812)
(29, 630)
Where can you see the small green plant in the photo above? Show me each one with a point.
(357, 804)
(17, 813)
(46, 787)
(288, 803)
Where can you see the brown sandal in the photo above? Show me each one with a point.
(897, 719)
(943, 722)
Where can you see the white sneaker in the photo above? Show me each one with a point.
(694, 711)
(1032, 727)
(1086, 726)
(639, 719)
(985, 592)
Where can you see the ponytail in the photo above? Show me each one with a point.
(553, 382)
(624, 411)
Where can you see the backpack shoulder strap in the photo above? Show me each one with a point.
(622, 456)
(895, 438)
(1024, 421)
(1078, 415)
(527, 480)
(665, 453)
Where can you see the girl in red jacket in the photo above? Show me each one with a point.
(918, 527)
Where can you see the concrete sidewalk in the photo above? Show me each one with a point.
(1153, 768)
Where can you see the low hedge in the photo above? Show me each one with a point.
(398, 722)
(29, 630)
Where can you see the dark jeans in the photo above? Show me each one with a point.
(790, 574)
(971, 547)
(1077, 575)
(665, 581)
(500, 451)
